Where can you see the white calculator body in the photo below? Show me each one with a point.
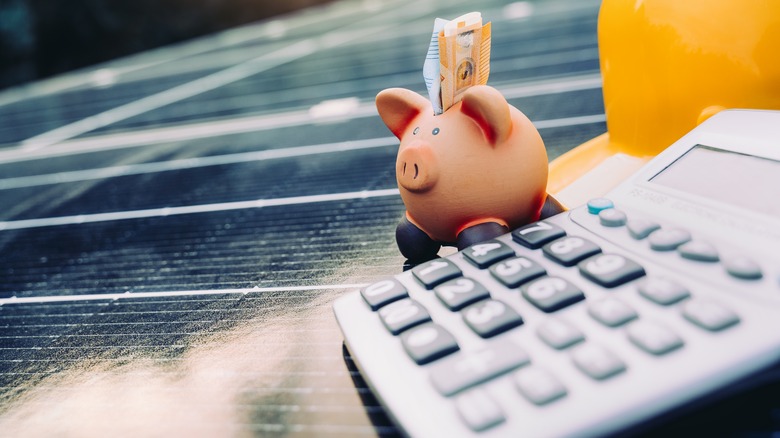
(597, 319)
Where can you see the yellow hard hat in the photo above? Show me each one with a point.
(667, 65)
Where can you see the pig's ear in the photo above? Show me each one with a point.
(398, 107)
(486, 106)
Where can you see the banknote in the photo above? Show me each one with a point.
(464, 57)
(431, 69)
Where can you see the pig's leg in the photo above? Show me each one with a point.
(551, 207)
(480, 233)
(414, 244)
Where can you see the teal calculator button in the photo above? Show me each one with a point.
(595, 205)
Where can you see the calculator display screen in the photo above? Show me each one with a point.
(742, 180)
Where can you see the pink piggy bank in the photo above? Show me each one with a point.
(468, 175)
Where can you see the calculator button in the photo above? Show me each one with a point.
(641, 228)
(558, 334)
(698, 251)
(478, 410)
(743, 267)
(435, 272)
(538, 386)
(537, 234)
(428, 342)
(486, 253)
(491, 317)
(460, 292)
(662, 291)
(611, 312)
(570, 250)
(668, 240)
(515, 271)
(383, 292)
(612, 217)
(653, 338)
(597, 362)
(462, 370)
(709, 315)
(596, 205)
(403, 314)
(610, 270)
(551, 293)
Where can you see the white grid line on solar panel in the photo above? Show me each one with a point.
(275, 98)
(232, 74)
(140, 359)
(272, 29)
(192, 209)
(237, 125)
(307, 407)
(128, 295)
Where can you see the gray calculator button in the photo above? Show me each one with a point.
(465, 369)
(486, 253)
(428, 342)
(743, 267)
(403, 314)
(478, 410)
(570, 250)
(597, 362)
(662, 291)
(709, 314)
(699, 251)
(641, 228)
(515, 271)
(558, 334)
(668, 239)
(653, 338)
(610, 270)
(612, 217)
(383, 292)
(538, 386)
(537, 234)
(435, 272)
(549, 294)
(611, 312)
(491, 317)
(596, 205)
(460, 292)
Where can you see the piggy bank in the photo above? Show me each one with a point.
(467, 175)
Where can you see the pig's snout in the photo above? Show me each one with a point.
(416, 169)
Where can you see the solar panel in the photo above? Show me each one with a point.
(176, 224)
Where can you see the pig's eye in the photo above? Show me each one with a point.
(435, 131)
(416, 130)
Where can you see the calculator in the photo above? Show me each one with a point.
(597, 319)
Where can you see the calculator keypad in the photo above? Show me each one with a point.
(597, 362)
(460, 292)
(535, 235)
(435, 272)
(478, 410)
(496, 271)
(538, 386)
(383, 292)
(610, 270)
(428, 342)
(570, 250)
(403, 314)
(491, 317)
(486, 253)
(653, 338)
(551, 293)
(515, 271)
(463, 370)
